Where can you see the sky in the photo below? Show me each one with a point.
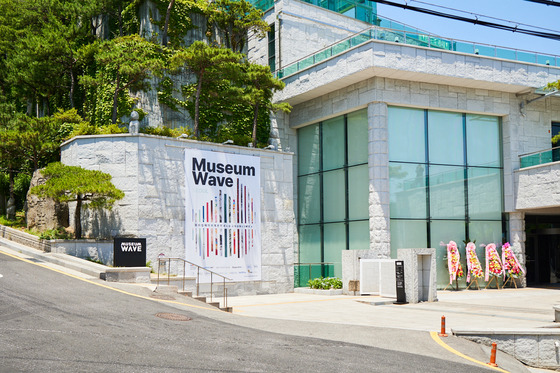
(518, 11)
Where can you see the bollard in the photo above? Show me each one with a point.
(442, 331)
(492, 362)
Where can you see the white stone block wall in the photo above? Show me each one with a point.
(537, 186)
(301, 29)
(378, 163)
(150, 170)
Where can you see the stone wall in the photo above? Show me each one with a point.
(150, 170)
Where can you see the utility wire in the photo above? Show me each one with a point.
(490, 17)
(545, 2)
(476, 21)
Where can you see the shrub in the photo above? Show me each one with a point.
(325, 283)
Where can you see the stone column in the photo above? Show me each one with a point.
(517, 238)
(378, 162)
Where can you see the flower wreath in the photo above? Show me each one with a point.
(453, 263)
(512, 268)
(493, 263)
(473, 264)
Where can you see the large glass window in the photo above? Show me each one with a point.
(333, 182)
(446, 181)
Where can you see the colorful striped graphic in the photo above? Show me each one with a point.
(213, 230)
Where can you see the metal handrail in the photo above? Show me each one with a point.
(212, 273)
(539, 151)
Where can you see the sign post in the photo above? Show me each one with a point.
(399, 278)
(129, 252)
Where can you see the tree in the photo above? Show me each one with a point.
(210, 66)
(259, 89)
(124, 64)
(236, 19)
(87, 188)
(11, 159)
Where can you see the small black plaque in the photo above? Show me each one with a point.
(399, 278)
(129, 252)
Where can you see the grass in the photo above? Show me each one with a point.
(20, 224)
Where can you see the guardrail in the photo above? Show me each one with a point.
(539, 157)
(419, 39)
(312, 270)
(212, 273)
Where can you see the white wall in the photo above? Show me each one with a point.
(150, 170)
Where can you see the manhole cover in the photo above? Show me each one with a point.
(162, 296)
(173, 316)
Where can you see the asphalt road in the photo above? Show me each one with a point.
(51, 322)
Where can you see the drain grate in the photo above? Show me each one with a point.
(172, 316)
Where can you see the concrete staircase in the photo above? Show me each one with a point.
(173, 289)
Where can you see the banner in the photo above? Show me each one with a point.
(222, 218)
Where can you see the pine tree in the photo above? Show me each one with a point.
(87, 188)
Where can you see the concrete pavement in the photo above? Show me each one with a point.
(370, 320)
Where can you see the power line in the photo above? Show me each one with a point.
(545, 2)
(476, 21)
(490, 17)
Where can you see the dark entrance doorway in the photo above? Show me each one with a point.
(542, 249)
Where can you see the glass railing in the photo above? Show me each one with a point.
(359, 9)
(403, 35)
(540, 157)
(263, 5)
(303, 272)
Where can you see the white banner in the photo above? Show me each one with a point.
(222, 217)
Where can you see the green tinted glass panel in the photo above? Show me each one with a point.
(309, 244)
(357, 137)
(447, 192)
(483, 141)
(308, 149)
(485, 232)
(333, 143)
(445, 137)
(485, 193)
(334, 196)
(406, 234)
(358, 232)
(335, 242)
(441, 233)
(309, 199)
(407, 142)
(407, 186)
(358, 192)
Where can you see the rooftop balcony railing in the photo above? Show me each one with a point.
(540, 157)
(403, 36)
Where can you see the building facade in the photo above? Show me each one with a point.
(406, 140)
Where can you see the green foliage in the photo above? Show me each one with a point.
(70, 183)
(167, 132)
(55, 234)
(21, 186)
(90, 259)
(325, 283)
(124, 64)
(4, 184)
(180, 19)
(237, 20)
(18, 223)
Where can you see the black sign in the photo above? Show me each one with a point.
(129, 252)
(399, 277)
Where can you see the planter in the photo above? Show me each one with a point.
(318, 291)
